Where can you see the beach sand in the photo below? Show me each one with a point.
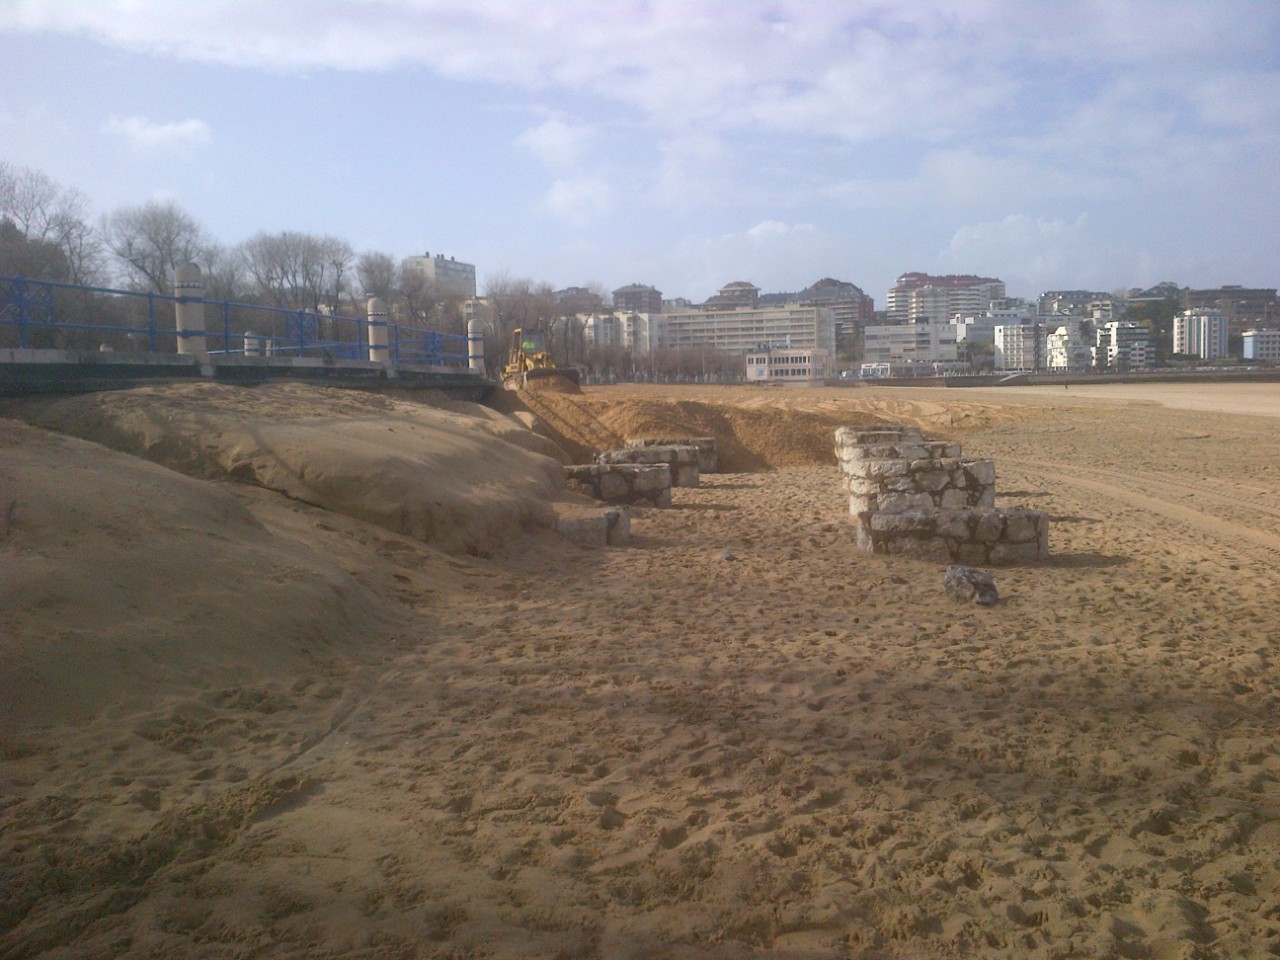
(266, 695)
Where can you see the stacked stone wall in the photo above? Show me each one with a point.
(681, 460)
(622, 482)
(980, 536)
(918, 497)
(706, 447)
(884, 472)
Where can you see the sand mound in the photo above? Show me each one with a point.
(756, 429)
(458, 477)
(122, 578)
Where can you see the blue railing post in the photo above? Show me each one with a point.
(20, 300)
(151, 320)
(302, 333)
(226, 326)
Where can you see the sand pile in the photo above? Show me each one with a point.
(461, 477)
(123, 579)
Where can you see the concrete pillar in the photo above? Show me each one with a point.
(253, 346)
(379, 334)
(475, 346)
(188, 287)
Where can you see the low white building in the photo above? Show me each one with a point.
(1200, 332)
(1262, 344)
(790, 367)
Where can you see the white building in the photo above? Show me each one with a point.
(748, 329)
(1262, 344)
(602, 329)
(911, 344)
(1066, 349)
(448, 277)
(919, 296)
(643, 333)
(790, 367)
(1020, 346)
(1123, 345)
(1200, 332)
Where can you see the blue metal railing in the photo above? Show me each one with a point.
(50, 314)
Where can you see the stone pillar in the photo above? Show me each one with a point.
(253, 346)
(188, 287)
(475, 346)
(379, 334)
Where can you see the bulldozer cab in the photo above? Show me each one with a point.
(529, 341)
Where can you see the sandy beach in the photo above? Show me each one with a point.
(294, 672)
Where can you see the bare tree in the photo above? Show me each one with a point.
(152, 239)
(379, 275)
(45, 212)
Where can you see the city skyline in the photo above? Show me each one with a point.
(1056, 146)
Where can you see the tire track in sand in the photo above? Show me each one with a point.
(1212, 524)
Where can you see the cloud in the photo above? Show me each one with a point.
(1032, 254)
(556, 142)
(579, 202)
(146, 136)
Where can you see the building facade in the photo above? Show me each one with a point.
(638, 298)
(790, 367)
(910, 344)
(920, 296)
(1123, 345)
(1021, 346)
(1238, 304)
(733, 296)
(742, 330)
(1200, 332)
(1067, 348)
(448, 276)
(1261, 345)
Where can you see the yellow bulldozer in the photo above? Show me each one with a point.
(530, 360)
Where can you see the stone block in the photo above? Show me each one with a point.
(981, 472)
(1020, 526)
(685, 475)
(953, 500)
(932, 480)
(653, 478)
(990, 526)
(898, 502)
(614, 486)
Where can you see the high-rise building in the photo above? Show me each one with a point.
(1200, 332)
(638, 298)
(1067, 347)
(449, 277)
(920, 296)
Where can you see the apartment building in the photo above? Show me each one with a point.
(447, 276)
(638, 298)
(1067, 347)
(1021, 346)
(1239, 304)
(920, 296)
(745, 329)
(1200, 332)
(1122, 345)
(1262, 345)
(910, 344)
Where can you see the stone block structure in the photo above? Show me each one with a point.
(682, 461)
(599, 527)
(645, 484)
(918, 497)
(889, 472)
(706, 447)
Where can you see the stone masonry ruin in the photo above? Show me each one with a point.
(682, 460)
(622, 482)
(706, 447)
(913, 496)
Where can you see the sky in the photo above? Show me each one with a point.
(1090, 144)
